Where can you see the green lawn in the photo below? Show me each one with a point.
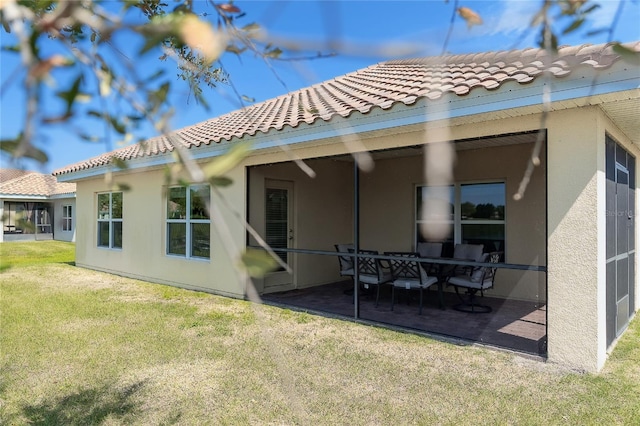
(29, 253)
(80, 347)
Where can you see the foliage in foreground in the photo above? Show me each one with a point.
(82, 347)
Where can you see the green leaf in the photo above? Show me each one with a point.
(232, 48)
(220, 181)
(223, 164)
(155, 75)
(251, 27)
(13, 48)
(627, 54)
(20, 148)
(160, 96)
(117, 125)
(258, 262)
(248, 99)
(70, 95)
(202, 100)
(273, 53)
(119, 163)
(591, 8)
(574, 26)
(88, 138)
(123, 187)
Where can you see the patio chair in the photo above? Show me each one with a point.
(408, 274)
(468, 253)
(371, 272)
(479, 278)
(432, 250)
(345, 262)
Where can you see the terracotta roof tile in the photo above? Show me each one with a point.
(27, 183)
(378, 86)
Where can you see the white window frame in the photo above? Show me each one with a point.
(67, 217)
(187, 221)
(457, 211)
(107, 217)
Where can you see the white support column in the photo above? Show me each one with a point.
(576, 279)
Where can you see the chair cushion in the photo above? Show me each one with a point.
(468, 252)
(372, 279)
(412, 284)
(430, 249)
(479, 271)
(465, 281)
(348, 272)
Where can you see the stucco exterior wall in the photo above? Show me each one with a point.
(574, 157)
(323, 214)
(577, 236)
(143, 253)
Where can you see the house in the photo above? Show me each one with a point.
(35, 206)
(568, 239)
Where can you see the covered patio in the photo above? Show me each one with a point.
(303, 219)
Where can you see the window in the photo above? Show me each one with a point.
(469, 213)
(188, 221)
(67, 214)
(110, 220)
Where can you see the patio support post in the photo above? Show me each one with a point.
(356, 238)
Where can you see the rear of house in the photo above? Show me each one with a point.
(358, 167)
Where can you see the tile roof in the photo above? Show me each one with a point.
(378, 86)
(27, 183)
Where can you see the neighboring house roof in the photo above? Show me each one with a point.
(379, 86)
(10, 174)
(28, 183)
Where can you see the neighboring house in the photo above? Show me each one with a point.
(569, 243)
(35, 206)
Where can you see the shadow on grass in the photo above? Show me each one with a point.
(87, 406)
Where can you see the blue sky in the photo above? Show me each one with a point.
(370, 31)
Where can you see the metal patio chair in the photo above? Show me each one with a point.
(372, 273)
(408, 273)
(474, 280)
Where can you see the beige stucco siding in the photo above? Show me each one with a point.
(143, 247)
(574, 154)
(323, 213)
(577, 236)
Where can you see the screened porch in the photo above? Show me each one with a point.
(304, 218)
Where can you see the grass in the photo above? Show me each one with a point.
(80, 347)
(28, 253)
